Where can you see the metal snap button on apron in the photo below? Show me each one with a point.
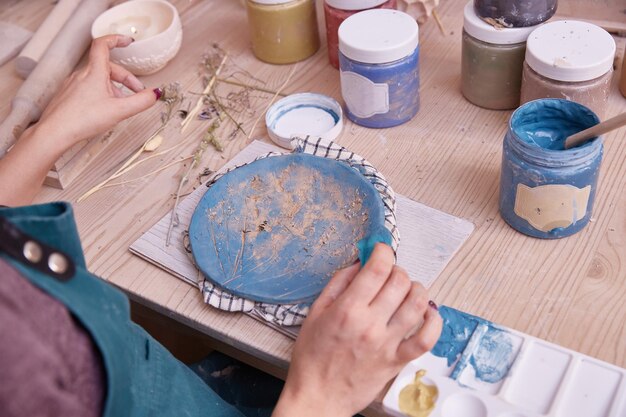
(32, 251)
(57, 263)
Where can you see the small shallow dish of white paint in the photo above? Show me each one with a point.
(302, 115)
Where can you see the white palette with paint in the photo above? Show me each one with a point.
(545, 380)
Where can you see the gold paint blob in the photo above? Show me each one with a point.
(418, 399)
(283, 33)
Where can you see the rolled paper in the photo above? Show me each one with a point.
(36, 47)
(13, 39)
(55, 66)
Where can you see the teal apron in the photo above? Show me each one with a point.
(142, 377)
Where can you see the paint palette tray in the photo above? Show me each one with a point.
(504, 373)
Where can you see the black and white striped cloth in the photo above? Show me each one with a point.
(294, 314)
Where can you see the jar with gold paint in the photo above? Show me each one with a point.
(547, 191)
(283, 31)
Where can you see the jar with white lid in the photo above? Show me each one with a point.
(571, 60)
(336, 11)
(283, 31)
(515, 13)
(379, 67)
(491, 63)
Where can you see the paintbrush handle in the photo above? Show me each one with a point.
(597, 130)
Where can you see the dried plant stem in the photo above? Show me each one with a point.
(252, 87)
(232, 119)
(181, 184)
(156, 171)
(276, 94)
(129, 165)
(194, 112)
(439, 23)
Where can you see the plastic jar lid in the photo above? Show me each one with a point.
(304, 114)
(378, 36)
(355, 4)
(483, 31)
(570, 50)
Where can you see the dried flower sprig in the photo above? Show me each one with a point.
(194, 112)
(172, 97)
(209, 138)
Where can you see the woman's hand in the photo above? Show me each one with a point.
(365, 326)
(87, 104)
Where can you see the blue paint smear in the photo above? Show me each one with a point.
(491, 358)
(458, 328)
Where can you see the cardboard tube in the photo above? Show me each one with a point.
(55, 66)
(35, 48)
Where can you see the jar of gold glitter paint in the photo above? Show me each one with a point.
(283, 31)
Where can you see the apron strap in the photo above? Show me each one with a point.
(32, 253)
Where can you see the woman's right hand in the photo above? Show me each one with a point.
(365, 326)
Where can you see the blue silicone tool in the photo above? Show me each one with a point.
(276, 230)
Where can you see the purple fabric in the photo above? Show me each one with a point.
(49, 365)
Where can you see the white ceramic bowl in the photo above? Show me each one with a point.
(154, 24)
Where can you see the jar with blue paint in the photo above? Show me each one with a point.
(547, 191)
(379, 67)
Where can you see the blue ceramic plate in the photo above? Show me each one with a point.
(277, 229)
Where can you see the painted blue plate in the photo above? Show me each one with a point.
(276, 230)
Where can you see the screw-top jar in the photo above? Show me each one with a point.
(547, 191)
(492, 62)
(283, 31)
(336, 11)
(515, 13)
(571, 60)
(379, 62)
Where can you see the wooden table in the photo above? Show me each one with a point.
(569, 291)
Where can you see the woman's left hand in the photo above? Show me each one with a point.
(89, 103)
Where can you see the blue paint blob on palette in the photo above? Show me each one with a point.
(277, 229)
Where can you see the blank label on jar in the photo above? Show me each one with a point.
(548, 207)
(537, 378)
(591, 391)
(364, 97)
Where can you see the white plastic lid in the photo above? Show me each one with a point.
(354, 4)
(378, 36)
(569, 50)
(483, 31)
(271, 1)
(302, 115)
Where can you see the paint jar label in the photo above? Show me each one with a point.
(553, 206)
(364, 97)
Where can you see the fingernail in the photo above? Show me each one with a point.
(158, 93)
(432, 305)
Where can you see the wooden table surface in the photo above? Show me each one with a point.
(570, 291)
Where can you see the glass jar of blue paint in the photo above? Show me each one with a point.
(379, 67)
(547, 191)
